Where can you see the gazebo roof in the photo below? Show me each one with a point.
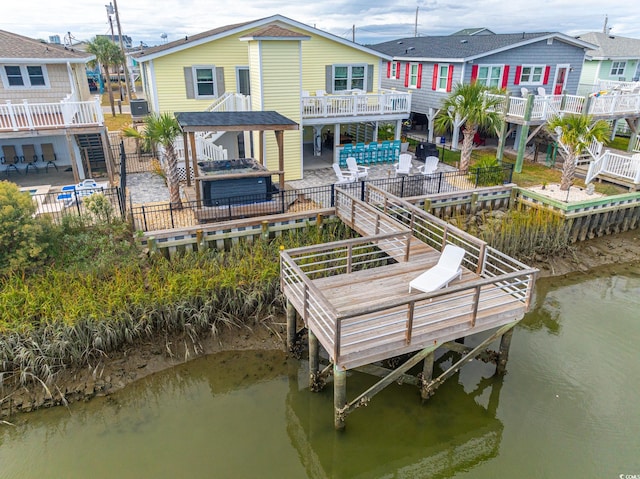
(234, 121)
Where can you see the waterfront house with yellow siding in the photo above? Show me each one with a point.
(326, 84)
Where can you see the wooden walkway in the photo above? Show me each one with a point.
(353, 295)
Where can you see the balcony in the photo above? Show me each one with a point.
(27, 116)
(387, 104)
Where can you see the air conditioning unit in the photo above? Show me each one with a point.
(139, 108)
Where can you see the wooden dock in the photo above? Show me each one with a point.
(353, 295)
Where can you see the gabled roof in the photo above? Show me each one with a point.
(611, 46)
(275, 32)
(459, 48)
(221, 32)
(15, 48)
(474, 31)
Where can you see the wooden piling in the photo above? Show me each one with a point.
(339, 396)
(291, 325)
(427, 374)
(503, 352)
(314, 359)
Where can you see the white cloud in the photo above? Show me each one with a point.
(146, 20)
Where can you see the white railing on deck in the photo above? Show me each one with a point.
(362, 104)
(206, 150)
(637, 145)
(517, 106)
(615, 165)
(608, 85)
(614, 104)
(231, 102)
(32, 116)
(595, 149)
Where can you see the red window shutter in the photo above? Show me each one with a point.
(388, 69)
(516, 80)
(547, 70)
(398, 71)
(449, 78)
(406, 75)
(474, 73)
(505, 76)
(434, 81)
(419, 84)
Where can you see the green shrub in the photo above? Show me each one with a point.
(21, 235)
(486, 172)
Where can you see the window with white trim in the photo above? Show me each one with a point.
(204, 79)
(394, 70)
(532, 74)
(24, 76)
(443, 75)
(489, 75)
(617, 68)
(413, 75)
(349, 77)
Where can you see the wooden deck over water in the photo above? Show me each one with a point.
(354, 294)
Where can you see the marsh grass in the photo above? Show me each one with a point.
(75, 313)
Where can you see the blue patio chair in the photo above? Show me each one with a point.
(347, 150)
(372, 153)
(359, 153)
(385, 151)
(395, 149)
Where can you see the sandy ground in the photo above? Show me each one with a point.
(116, 371)
(574, 193)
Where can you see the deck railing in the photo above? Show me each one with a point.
(616, 165)
(347, 334)
(363, 104)
(33, 116)
(231, 102)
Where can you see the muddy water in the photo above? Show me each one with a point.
(568, 407)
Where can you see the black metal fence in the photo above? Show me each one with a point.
(57, 205)
(164, 216)
(138, 161)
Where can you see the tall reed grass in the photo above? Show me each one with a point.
(73, 316)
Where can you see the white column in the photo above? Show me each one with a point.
(431, 116)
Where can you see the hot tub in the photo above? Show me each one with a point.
(234, 182)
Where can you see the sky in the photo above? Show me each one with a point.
(375, 21)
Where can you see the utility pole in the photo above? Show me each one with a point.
(353, 33)
(124, 65)
(110, 11)
(415, 31)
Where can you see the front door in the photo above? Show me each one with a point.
(561, 79)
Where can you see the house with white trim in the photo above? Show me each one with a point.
(48, 118)
(329, 86)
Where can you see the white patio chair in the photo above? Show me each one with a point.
(358, 170)
(524, 92)
(343, 176)
(403, 167)
(445, 271)
(430, 165)
(542, 91)
(320, 93)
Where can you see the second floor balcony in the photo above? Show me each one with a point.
(42, 116)
(387, 104)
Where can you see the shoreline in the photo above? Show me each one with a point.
(158, 354)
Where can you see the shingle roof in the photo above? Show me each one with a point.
(234, 120)
(275, 31)
(17, 47)
(459, 46)
(611, 46)
(190, 39)
(474, 31)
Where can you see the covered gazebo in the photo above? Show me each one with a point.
(192, 122)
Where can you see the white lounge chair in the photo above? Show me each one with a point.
(445, 271)
(343, 176)
(403, 167)
(358, 170)
(542, 91)
(524, 91)
(430, 165)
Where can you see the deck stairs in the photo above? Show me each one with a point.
(92, 151)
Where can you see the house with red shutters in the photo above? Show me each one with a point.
(522, 63)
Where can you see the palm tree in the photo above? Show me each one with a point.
(470, 103)
(163, 129)
(575, 133)
(107, 54)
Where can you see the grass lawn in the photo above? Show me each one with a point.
(118, 122)
(619, 143)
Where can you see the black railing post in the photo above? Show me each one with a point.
(333, 196)
(282, 201)
(477, 176)
(144, 219)
(362, 190)
(402, 187)
(171, 214)
(440, 181)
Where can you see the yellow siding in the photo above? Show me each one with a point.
(227, 52)
(255, 76)
(281, 73)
